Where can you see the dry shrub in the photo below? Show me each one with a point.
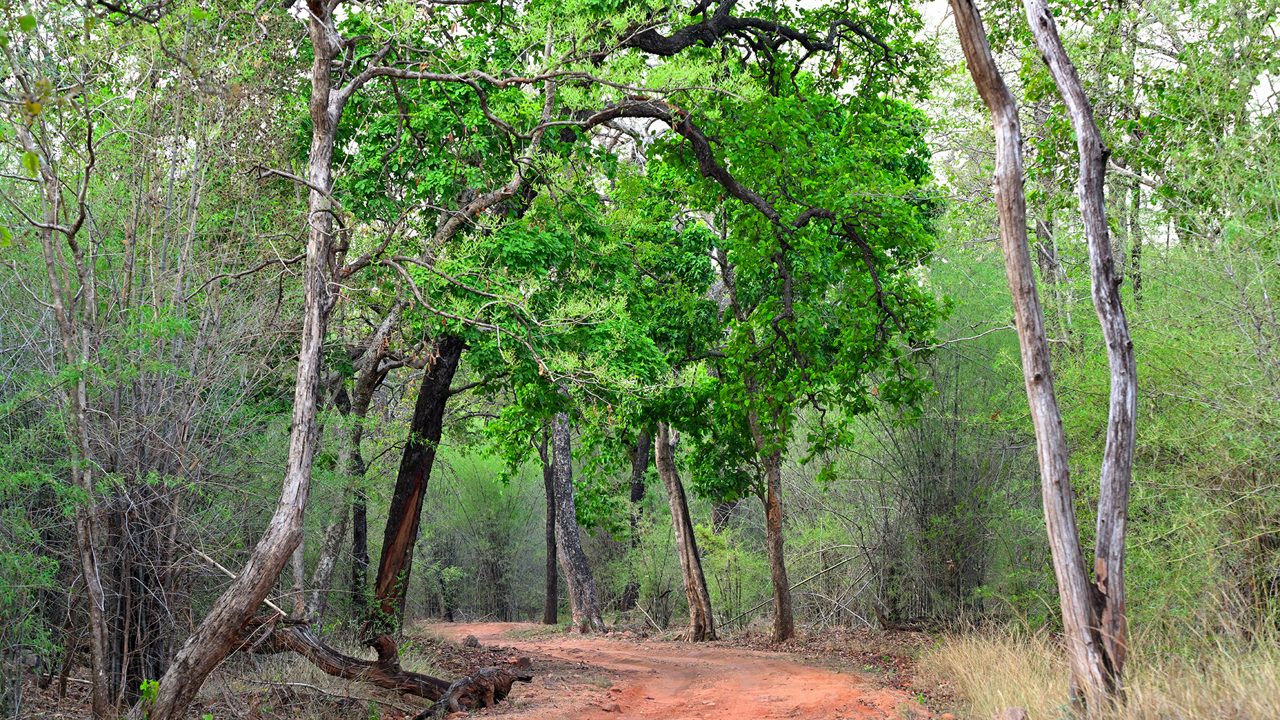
(994, 669)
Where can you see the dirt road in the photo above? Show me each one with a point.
(600, 678)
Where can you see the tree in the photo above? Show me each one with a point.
(1093, 612)
(701, 621)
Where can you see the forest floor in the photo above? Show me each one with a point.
(623, 676)
(835, 674)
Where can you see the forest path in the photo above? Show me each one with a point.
(596, 678)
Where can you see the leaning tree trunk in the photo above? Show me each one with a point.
(701, 622)
(639, 465)
(216, 635)
(551, 603)
(583, 602)
(419, 455)
(1093, 675)
(1108, 624)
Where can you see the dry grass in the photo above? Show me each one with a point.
(993, 669)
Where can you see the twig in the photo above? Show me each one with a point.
(232, 575)
(647, 617)
(820, 573)
(348, 696)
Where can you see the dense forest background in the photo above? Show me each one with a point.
(594, 284)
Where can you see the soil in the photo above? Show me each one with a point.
(832, 675)
(607, 677)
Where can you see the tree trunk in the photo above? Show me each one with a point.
(1091, 674)
(385, 672)
(639, 465)
(551, 605)
(215, 636)
(1108, 625)
(355, 408)
(419, 455)
(359, 555)
(701, 622)
(583, 602)
(783, 619)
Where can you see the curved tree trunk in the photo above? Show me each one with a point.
(701, 622)
(215, 636)
(385, 672)
(1108, 624)
(419, 455)
(1094, 676)
(551, 603)
(583, 602)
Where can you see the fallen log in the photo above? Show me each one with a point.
(384, 672)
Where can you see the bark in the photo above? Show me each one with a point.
(416, 462)
(1135, 239)
(771, 458)
(639, 465)
(701, 621)
(551, 605)
(215, 636)
(783, 618)
(583, 602)
(1108, 624)
(1085, 649)
(322, 575)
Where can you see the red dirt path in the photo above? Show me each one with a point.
(602, 678)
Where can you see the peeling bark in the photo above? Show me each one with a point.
(425, 430)
(1107, 625)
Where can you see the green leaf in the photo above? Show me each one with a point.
(6, 237)
(31, 162)
(27, 23)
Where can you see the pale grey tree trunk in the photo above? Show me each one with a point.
(1108, 625)
(217, 634)
(1093, 675)
(584, 604)
(701, 622)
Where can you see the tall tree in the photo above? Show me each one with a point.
(1093, 622)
